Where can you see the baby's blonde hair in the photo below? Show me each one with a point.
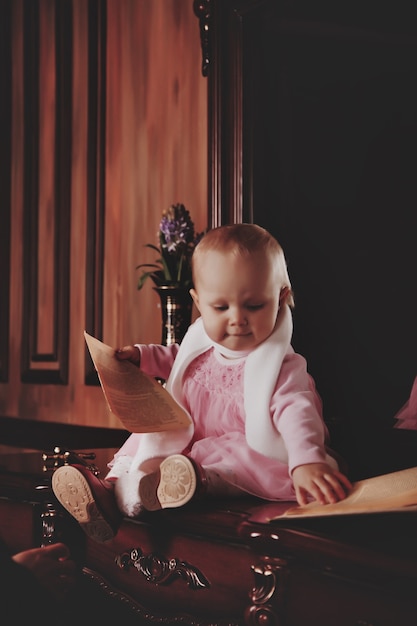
(244, 239)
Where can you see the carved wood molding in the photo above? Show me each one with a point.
(202, 9)
(47, 186)
(268, 593)
(48, 114)
(147, 615)
(96, 178)
(5, 190)
(225, 111)
(161, 570)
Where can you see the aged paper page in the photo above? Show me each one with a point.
(138, 400)
(396, 491)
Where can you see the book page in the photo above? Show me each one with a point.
(388, 492)
(138, 400)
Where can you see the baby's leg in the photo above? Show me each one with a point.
(88, 499)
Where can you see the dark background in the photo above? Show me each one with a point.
(330, 164)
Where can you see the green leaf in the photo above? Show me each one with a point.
(147, 265)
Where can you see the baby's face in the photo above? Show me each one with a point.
(238, 298)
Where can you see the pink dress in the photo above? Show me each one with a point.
(214, 389)
(214, 396)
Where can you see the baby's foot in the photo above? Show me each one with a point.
(172, 485)
(88, 499)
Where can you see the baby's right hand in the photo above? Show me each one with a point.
(128, 353)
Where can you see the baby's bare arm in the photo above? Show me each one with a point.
(321, 482)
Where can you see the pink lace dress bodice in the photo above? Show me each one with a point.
(213, 386)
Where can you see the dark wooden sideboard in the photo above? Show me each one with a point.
(217, 562)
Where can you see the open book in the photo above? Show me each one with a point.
(139, 401)
(396, 491)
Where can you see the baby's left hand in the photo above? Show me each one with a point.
(321, 482)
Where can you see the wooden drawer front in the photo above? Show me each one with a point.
(318, 598)
(178, 574)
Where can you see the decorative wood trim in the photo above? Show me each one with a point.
(161, 570)
(5, 189)
(268, 593)
(203, 11)
(149, 617)
(50, 365)
(96, 177)
(225, 112)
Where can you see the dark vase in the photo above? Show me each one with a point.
(176, 310)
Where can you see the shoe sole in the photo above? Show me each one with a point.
(172, 486)
(74, 493)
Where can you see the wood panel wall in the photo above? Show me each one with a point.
(104, 125)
